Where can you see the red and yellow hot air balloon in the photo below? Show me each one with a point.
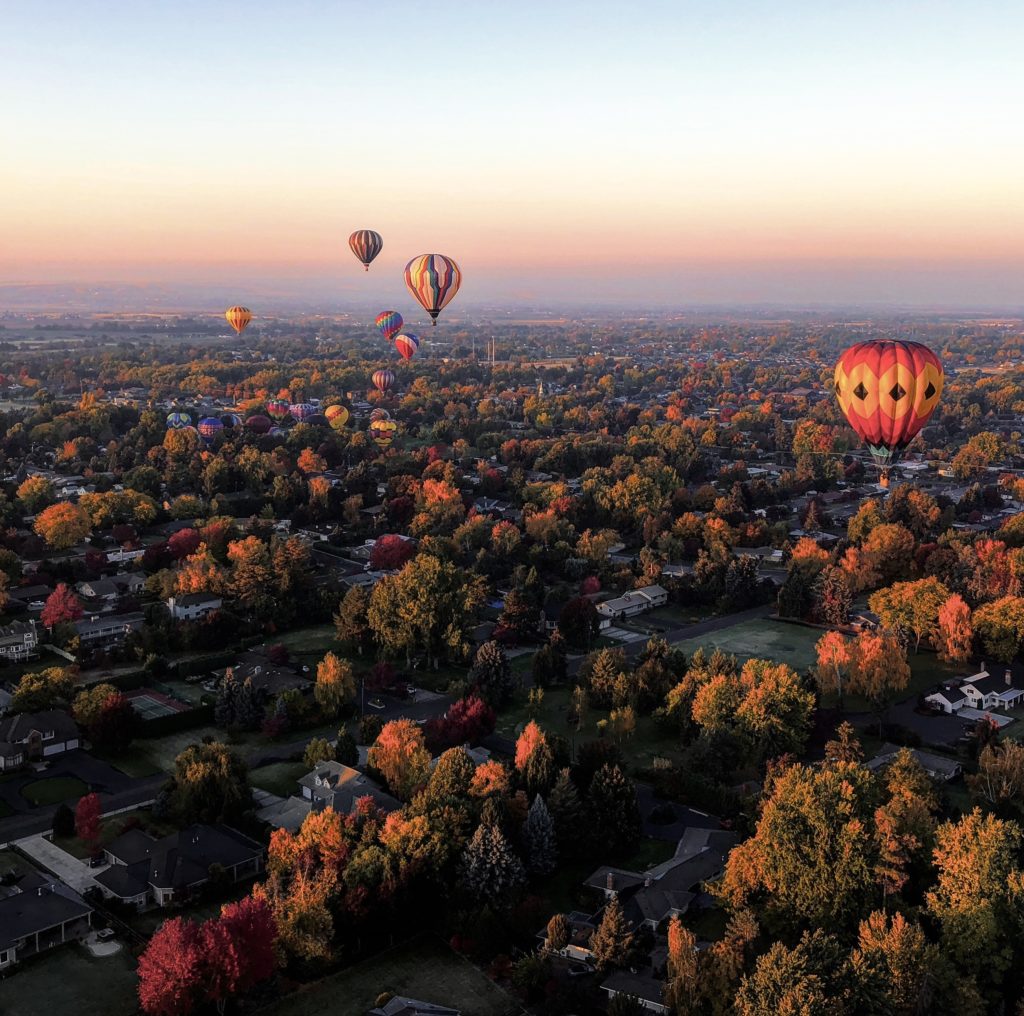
(383, 432)
(888, 390)
(383, 380)
(433, 280)
(238, 318)
(366, 244)
(407, 345)
(337, 416)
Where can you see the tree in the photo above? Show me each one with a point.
(89, 704)
(400, 755)
(170, 969)
(893, 955)
(350, 622)
(210, 783)
(611, 942)
(520, 618)
(345, 749)
(490, 872)
(615, 815)
(834, 654)
(88, 812)
(784, 982)
(550, 665)
(452, 776)
(1000, 626)
(391, 552)
(911, 607)
(999, 780)
(558, 933)
(539, 839)
(238, 948)
(845, 747)
(878, 670)
(955, 636)
(61, 607)
(579, 623)
(684, 992)
(775, 713)
(335, 684)
(317, 750)
(225, 708)
(35, 493)
(834, 596)
(116, 725)
(43, 689)
(492, 675)
(252, 577)
(63, 525)
(63, 821)
(566, 810)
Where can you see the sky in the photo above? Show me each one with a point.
(683, 152)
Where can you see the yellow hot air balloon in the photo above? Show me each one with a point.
(238, 317)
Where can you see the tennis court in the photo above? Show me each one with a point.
(149, 704)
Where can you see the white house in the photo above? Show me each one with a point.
(193, 606)
(18, 640)
(949, 699)
(636, 601)
(28, 736)
(986, 691)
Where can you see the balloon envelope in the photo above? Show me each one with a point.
(366, 244)
(383, 379)
(407, 345)
(888, 390)
(383, 432)
(258, 423)
(175, 421)
(238, 317)
(389, 323)
(231, 420)
(379, 414)
(301, 411)
(209, 427)
(277, 409)
(433, 280)
(337, 416)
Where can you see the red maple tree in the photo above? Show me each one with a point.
(87, 819)
(61, 607)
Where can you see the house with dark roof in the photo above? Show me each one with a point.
(400, 1005)
(337, 786)
(18, 641)
(193, 606)
(643, 985)
(101, 631)
(174, 868)
(37, 914)
(938, 767)
(25, 737)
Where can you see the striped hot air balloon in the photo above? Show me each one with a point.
(258, 423)
(433, 280)
(389, 323)
(209, 427)
(888, 390)
(383, 379)
(337, 416)
(379, 414)
(238, 318)
(383, 432)
(175, 421)
(407, 345)
(366, 244)
(301, 411)
(277, 409)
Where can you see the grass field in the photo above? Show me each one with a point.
(278, 778)
(761, 639)
(424, 969)
(69, 980)
(53, 790)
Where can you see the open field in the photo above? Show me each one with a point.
(425, 969)
(53, 790)
(278, 778)
(69, 980)
(762, 639)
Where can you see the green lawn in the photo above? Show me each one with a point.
(112, 827)
(424, 969)
(763, 639)
(132, 761)
(278, 778)
(11, 860)
(69, 980)
(54, 789)
(303, 642)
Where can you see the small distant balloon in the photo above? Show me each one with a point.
(209, 427)
(389, 323)
(407, 345)
(277, 409)
(379, 414)
(176, 421)
(258, 423)
(383, 379)
(239, 318)
(433, 279)
(301, 411)
(366, 244)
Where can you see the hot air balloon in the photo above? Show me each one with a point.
(209, 427)
(888, 390)
(383, 432)
(407, 345)
(276, 431)
(175, 421)
(383, 379)
(389, 323)
(231, 420)
(238, 318)
(379, 414)
(301, 411)
(277, 409)
(258, 423)
(336, 413)
(366, 244)
(433, 280)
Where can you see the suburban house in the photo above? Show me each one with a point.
(636, 601)
(174, 868)
(949, 698)
(18, 641)
(581, 927)
(37, 914)
(193, 606)
(399, 1005)
(643, 985)
(982, 691)
(99, 589)
(25, 737)
(668, 889)
(110, 630)
(936, 766)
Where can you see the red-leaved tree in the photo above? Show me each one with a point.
(61, 607)
(171, 969)
(87, 819)
(184, 543)
(391, 552)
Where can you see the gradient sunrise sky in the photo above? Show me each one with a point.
(690, 151)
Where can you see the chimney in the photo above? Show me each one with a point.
(609, 882)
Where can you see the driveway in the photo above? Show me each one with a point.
(68, 868)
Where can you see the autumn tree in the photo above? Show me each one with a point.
(911, 608)
(999, 781)
(62, 525)
(878, 670)
(391, 552)
(335, 684)
(834, 654)
(558, 933)
(238, 947)
(1000, 627)
(88, 812)
(62, 607)
(318, 750)
(784, 981)
(611, 943)
(955, 636)
(893, 957)
(210, 783)
(579, 623)
(43, 689)
(492, 675)
(171, 969)
(400, 755)
(35, 494)
(351, 626)
(252, 577)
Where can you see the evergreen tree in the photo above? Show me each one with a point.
(539, 838)
(350, 624)
(614, 812)
(345, 750)
(564, 806)
(492, 674)
(549, 662)
(490, 870)
(249, 706)
(558, 933)
(451, 777)
(539, 769)
(225, 710)
(613, 939)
